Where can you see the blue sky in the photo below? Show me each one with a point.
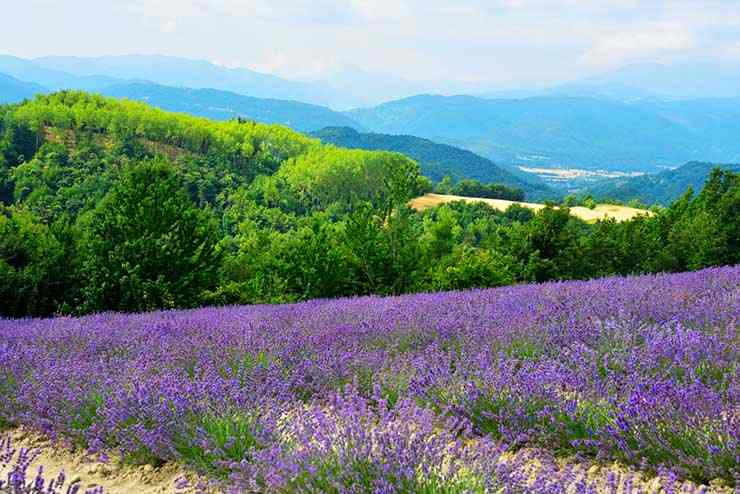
(502, 43)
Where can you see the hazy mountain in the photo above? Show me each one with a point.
(675, 81)
(660, 188)
(52, 79)
(224, 105)
(642, 135)
(175, 71)
(651, 81)
(368, 88)
(605, 90)
(13, 90)
(436, 160)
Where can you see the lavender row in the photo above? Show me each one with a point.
(641, 370)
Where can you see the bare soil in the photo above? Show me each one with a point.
(114, 476)
(118, 478)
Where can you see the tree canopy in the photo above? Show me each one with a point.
(114, 205)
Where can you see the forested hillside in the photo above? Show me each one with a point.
(116, 205)
(224, 105)
(436, 160)
(659, 188)
(569, 132)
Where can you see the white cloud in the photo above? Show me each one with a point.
(729, 52)
(648, 43)
(169, 26)
(514, 42)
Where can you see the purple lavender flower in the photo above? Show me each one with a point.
(643, 370)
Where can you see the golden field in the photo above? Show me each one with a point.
(619, 213)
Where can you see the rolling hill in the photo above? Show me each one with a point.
(224, 105)
(658, 188)
(13, 90)
(436, 160)
(569, 132)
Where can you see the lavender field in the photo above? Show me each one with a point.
(425, 393)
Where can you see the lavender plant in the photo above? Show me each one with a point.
(412, 393)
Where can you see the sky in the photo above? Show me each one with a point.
(499, 43)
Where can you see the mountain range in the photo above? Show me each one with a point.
(210, 103)
(345, 85)
(94, 73)
(13, 90)
(225, 105)
(636, 119)
(669, 81)
(569, 132)
(640, 81)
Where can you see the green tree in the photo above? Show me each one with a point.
(588, 202)
(473, 188)
(570, 200)
(706, 231)
(17, 144)
(383, 250)
(444, 186)
(468, 267)
(35, 273)
(549, 246)
(263, 264)
(146, 246)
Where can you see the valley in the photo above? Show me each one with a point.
(568, 175)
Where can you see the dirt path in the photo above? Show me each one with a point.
(113, 476)
(118, 478)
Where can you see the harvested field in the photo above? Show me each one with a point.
(619, 213)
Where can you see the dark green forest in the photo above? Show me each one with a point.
(115, 205)
(439, 160)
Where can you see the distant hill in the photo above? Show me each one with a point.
(640, 81)
(659, 188)
(224, 105)
(53, 79)
(672, 81)
(177, 71)
(591, 133)
(13, 90)
(436, 160)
